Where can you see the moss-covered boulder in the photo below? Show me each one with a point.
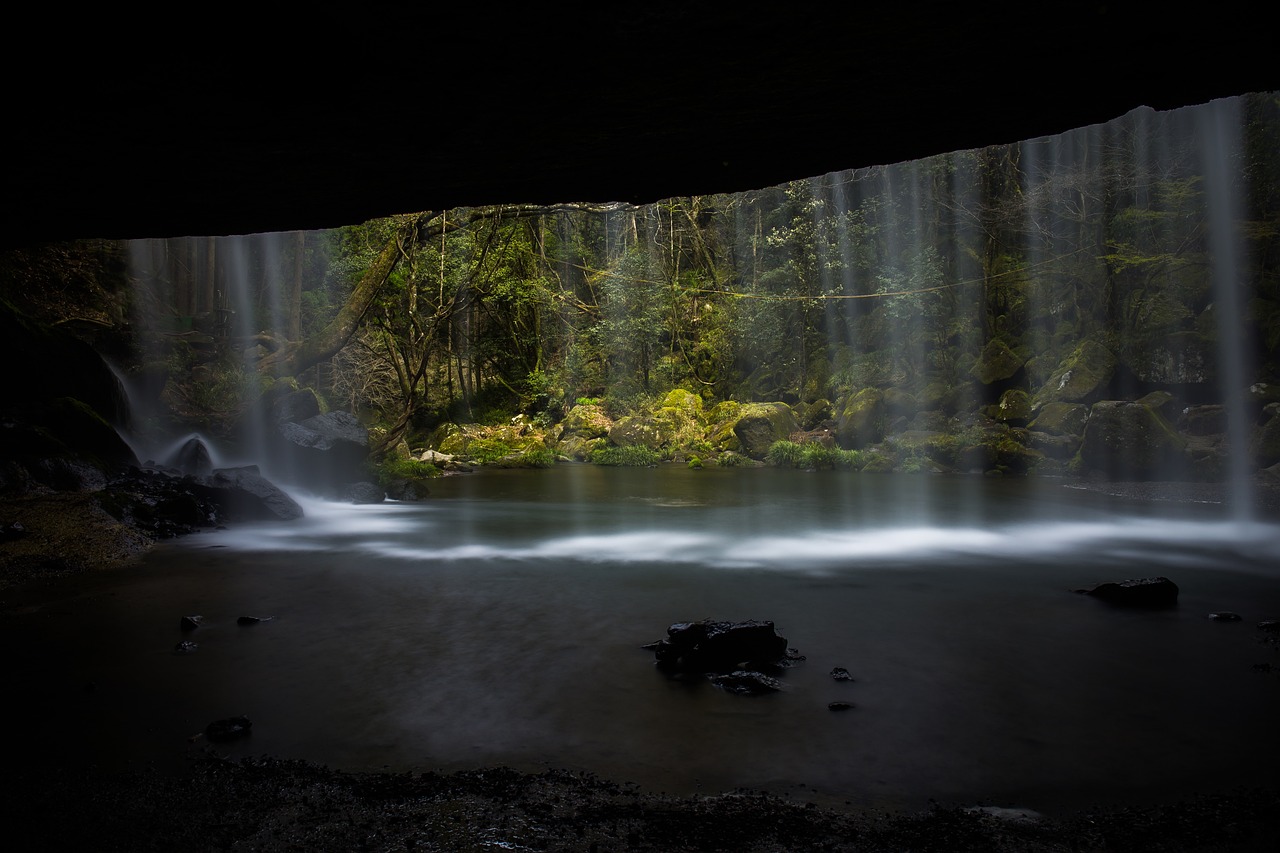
(585, 421)
(640, 431)
(1014, 407)
(996, 363)
(1065, 419)
(1177, 358)
(862, 420)
(1082, 377)
(759, 425)
(1127, 440)
(1266, 443)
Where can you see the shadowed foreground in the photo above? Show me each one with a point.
(265, 804)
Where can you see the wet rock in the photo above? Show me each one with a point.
(185, 647)
(253, 620)
(1137, 592)
(407, 489)
(720, 647)
(191, 458)
(839, 673)
(190, 623)
(325, 451)
(839, 706)
(1271, 626)
(1127, 440)
(746, 682)
(244, 494)
(1224, 616)
(364, 493)
(229, 728)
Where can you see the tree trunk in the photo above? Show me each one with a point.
(297, 357)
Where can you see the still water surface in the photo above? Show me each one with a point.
(500, 622)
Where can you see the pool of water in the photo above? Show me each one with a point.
(500, 622)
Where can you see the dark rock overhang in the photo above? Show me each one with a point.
(220, 127)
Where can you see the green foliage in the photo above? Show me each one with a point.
(634, 457)
(811, 456)
(398, 468)
(487, 451)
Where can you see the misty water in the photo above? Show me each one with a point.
(501, 622)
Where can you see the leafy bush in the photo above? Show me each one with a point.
(538, 458)
(636, 456)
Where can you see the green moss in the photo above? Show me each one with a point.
(635, 456)
(395, 468)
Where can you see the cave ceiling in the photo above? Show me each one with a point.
(119, 130)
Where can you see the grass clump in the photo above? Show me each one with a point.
(636, 456)
(811, 456)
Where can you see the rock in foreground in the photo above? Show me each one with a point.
(1137, 592)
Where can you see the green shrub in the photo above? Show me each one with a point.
(538, 458)
(635, 456)
(393, 469)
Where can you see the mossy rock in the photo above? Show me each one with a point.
(1129, 441)
(898, 403)
(878, 463)
(579, 447)
(996, 363)
(1061, 419)
(1176, 358)
(1163, 403)
(586, 421)
(640, 431)
(811, 415)
(861, 422)
(759, 425)
(1054, 446)
(1082, 377)
(679, 398)
(1266, 443)
(1014, 407)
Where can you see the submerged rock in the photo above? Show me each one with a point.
(190, 623)
(1137, 592)
(1224, 616)
(253, 620)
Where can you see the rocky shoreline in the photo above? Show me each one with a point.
(267, 804)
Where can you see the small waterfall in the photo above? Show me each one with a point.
(1219, 129)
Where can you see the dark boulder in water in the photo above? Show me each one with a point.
(1137, 592)
(244, 494)
(325, 451)
(720, 647)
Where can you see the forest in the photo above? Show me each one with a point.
(1025, 308)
